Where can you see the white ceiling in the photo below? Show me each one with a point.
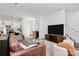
(23, 9)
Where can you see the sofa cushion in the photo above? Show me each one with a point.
(69, 48)
(13, 44)
(26, 47)
(24, 41)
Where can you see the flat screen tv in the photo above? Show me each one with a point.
(56, 29)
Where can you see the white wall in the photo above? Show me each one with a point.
(42, 27)
(51, 19)
(28, 25)
(72, 19)
(56, 18)
(25, 26)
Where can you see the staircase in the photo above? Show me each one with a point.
(73, 34)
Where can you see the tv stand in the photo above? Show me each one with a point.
(54, 38)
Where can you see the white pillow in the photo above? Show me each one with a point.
(23, 46)
(26, 47)
(58, 51)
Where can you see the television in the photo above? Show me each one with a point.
(56, 29)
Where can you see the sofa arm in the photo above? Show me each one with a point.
(58, 51)
(38, 50)
(20, 53)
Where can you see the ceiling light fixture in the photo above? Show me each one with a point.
(15, 3)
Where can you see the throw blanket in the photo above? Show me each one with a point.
(70, 49)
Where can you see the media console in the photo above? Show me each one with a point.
(54, 38)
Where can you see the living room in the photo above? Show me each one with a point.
(30, 21)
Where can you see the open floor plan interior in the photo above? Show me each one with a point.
(39, 29)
